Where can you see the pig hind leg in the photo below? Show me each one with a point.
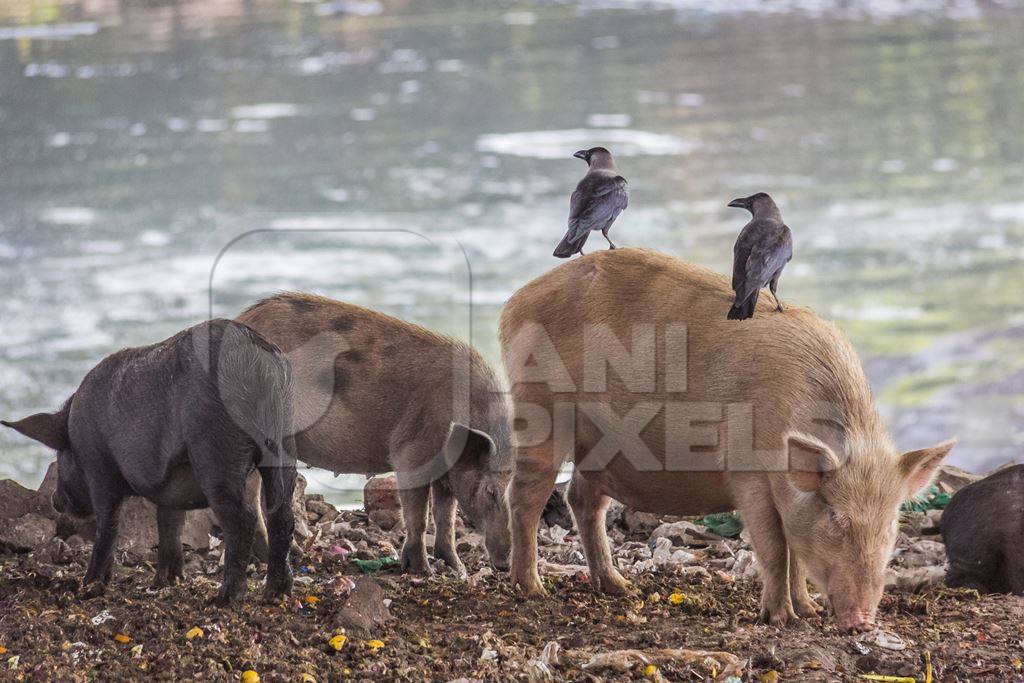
(589, 506)
(169, 559)
(444, 505)
(221, 459)
(278, 485)
(533, 480)
(106, 492)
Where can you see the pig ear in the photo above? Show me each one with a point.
(469, 441)
(50, 429)
(809, 461)
(920, 467)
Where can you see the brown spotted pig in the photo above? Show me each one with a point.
(622, 361)
(376, 394)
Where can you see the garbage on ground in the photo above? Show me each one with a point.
(717, 665)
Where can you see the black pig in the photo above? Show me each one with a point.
(982, 527)
(181, 423)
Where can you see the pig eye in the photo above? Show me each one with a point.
(839, 521)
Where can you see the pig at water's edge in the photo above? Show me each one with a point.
(181, 423)
(819, 494)
(376, 394)
(982, 527)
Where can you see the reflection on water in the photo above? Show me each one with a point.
(137, 138)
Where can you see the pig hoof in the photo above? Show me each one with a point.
(615, 585)
(94, 590)
(779, 618)
(416, 562)
(276, 588)
(532, 587)
(807, 608)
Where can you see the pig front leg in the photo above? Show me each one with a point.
(589, 506)
(803, 604)
(415, 501)
(533, 480)
(762, 519)
(170, 562)
(444, 505)
(101, 563)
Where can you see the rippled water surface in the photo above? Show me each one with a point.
(369, 143)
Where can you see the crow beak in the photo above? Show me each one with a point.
(582, 154)
(738, 203)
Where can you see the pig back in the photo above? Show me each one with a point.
(365, 382)
(635, 330)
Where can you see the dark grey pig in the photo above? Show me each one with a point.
(376, 394)
(180, 423)
(983, 527)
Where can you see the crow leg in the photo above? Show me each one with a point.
(772, 285)
(611, 245)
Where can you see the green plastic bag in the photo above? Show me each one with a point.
(931, 499)
(367, 566)
(726, 524)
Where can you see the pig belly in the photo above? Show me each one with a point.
(667, 493)
(179, 490)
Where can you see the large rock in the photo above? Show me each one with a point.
(953, 478)
(685, 533)
(364, 611)
(380, 500)
(15, 499)
(28, 532)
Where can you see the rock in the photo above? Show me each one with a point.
(28, 532)
(138, 531)
(645, 522)
(380, 500)
(685, 533)
(15, 500)
(364, 611)
(56, 551)
(952, 478)
(911, 523)
(924, 553)
(324, 511)
(919, 578)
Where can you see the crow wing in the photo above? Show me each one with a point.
(768, 250)
(596, 203)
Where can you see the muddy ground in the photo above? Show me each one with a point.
(478, 628)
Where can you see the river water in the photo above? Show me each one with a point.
(391, 153)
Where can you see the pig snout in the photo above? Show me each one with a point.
(857, 621)
(57, 503)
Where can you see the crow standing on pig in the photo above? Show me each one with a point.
(595, 204)
(180, 423)
(982, 527)
(762, 250)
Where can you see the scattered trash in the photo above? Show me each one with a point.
(374, 645)
(193, 633)
(883, 639)
(250, 676)
(932, 499)
(307, 678)
(714, 663)
(368, 566)
(338, 641)
(725, 524)
(677, 598)
(889, 679)
(122, 638)
(101, 618)
(337, 551)
(137, 651)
